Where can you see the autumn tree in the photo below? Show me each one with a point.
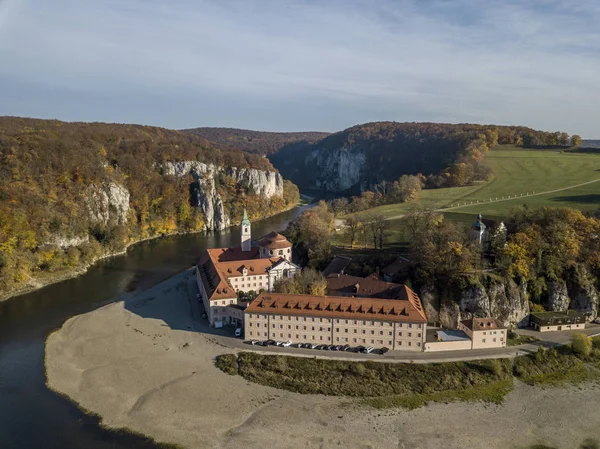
(575, 140)
(313, 231)
(308, 282)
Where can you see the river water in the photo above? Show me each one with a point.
(31, 416)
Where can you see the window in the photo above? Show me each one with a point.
(409, 343)
(372, 341)
(257, 324)
(289, 250)
(312, 328)
(250, 324)
(419, 335)
(390, 333)
(250, 333)
(410, 334)
(483, 340)
(372, 323)
(354, 321)
(484, 332)
(346, 330)
(399, 343)
(409, 325)
(380, 332)
(321, 337)
(273, 326)
(419, 344)
(372, 332)
(494, 340)
(355, 331)
(389, 342)
(364, 331)
(337, 329)
(281, 326)
(399, 334)
(281, 334)
(337, 338)
(354, 340)
(281, 252)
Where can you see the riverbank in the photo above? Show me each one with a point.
(141, 364)
(63, 275)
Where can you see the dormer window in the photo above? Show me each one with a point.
(245, 229)
(245, 271)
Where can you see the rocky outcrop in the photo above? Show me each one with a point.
(67, 242)
(337, 170)
(583, 294)
(558, 296)
(108, 203)
(505, 300)
(207, 198)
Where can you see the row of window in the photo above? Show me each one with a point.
(337, 329)
(328, 339)
(337, 321)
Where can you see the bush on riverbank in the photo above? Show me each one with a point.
(554, 366)
(482, 379)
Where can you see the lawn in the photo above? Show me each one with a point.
(517, 172)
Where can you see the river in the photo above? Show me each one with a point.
(31, 416)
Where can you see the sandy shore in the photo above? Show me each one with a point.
(140, 364)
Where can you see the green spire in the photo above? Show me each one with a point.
(245, 220)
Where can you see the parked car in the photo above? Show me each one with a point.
(238, 332)
(369, 349)
(383, 350)
(270, 343)
(313, 345)
(346, 348)
(286, 344)
(360, 349)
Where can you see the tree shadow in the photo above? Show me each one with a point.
(591, 198)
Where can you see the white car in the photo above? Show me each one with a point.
(238, 332)
(285, 344)
(369, 349)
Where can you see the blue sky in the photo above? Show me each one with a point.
(285, 65)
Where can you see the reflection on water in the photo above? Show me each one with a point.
(33, 417)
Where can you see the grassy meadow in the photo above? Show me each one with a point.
(517, 172)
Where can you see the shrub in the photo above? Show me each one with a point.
(227, 363)
(581, 344)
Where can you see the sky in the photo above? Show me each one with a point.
(298, 65)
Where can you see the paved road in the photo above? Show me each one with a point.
(225, 338)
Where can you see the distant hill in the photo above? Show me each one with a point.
(590, 143)
(257, 142)
(359, 157)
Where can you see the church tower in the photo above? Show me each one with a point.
(246, 233)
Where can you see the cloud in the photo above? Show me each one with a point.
(530, 62)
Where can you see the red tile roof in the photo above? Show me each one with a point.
(216, 265)
(336, 307)
(274, 240)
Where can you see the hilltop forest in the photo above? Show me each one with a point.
(71, 192)
(257, 142)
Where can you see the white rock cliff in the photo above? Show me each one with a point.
(108, 203)
(261, 182)
(338, 170)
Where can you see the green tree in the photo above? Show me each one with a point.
(575, 140)
(581, 344)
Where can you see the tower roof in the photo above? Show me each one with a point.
(479, 224)
(245, 220)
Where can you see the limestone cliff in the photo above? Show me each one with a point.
(502, 299)
(108, 203)
(337, 170)
(260, 182)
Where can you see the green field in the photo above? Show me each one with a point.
(517, 173)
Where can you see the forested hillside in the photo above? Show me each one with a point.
(257, 142)
(364, 155)
(70, 192)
